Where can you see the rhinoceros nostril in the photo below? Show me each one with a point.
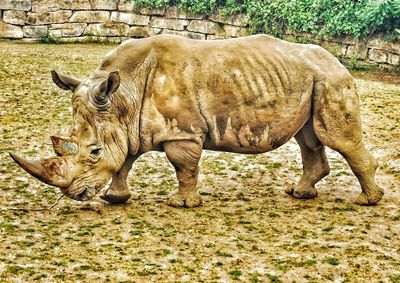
(81, 196)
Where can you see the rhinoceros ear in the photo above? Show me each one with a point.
(65, 82)
(101, 97)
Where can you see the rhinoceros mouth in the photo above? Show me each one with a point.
(87, 193)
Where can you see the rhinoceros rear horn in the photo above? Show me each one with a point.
(64, 146)
(52, 171)
(102, 94)
(64, 82)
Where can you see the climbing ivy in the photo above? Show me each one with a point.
(356, 18)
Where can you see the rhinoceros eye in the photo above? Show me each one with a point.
(95, 151)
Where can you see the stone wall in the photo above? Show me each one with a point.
(116, 20)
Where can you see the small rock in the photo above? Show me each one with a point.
(22, 179)
(394, 165)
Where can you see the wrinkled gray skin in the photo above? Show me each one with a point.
(177, 95)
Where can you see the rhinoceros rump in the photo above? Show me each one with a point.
(177, 95)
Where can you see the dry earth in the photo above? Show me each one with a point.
(248, 230)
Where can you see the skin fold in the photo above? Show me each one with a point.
(178, 95)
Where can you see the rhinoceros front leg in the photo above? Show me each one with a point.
(118, 191)
(185, 156)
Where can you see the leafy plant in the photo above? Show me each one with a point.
(357, 18)
(48, 39)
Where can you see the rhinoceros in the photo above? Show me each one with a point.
(178, 95)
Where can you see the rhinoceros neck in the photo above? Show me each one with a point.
(134, 64)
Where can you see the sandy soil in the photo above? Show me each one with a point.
(248, 230)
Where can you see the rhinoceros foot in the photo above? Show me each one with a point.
(116, 197)
(188, 200)
(302, 192)
(373, 199)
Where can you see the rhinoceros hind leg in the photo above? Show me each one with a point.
(118, 191)
(337, 123)
(185, 156)
(315, 163)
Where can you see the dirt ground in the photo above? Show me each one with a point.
(248, 229)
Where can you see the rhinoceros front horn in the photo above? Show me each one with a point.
(52, 171)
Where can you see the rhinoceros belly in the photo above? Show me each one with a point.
(254, 104)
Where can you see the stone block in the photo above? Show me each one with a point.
(22, 5)
(335, 48)
(130, 19)
(80, 4)
(342, 39)
(207, 27)
(90, 17)
(42, 6)
(104, 4)
(175, 13)
(237, 20)
(235, 31)
(378, 42)
(379, 56)
(393, 59)
(169, 23)
(139, 32)
(359, 51)
(55, 33)
(79, 39)
(126, 5)
(69, 29)
(152, 12)
(31, 40)
(216, 37)
(100, 39)
(35, 31)
(10, 31)
(107, 29)
(14, 17)
(61, 16)
(188, 34)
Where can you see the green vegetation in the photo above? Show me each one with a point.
(49, 39)
(359, 19)
(235, 274)
(332, 260)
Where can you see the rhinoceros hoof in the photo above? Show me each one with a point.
(191, 200)
(363, 199)
(115, 198)
(303, 193)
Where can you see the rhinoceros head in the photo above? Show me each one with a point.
(97, 144)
